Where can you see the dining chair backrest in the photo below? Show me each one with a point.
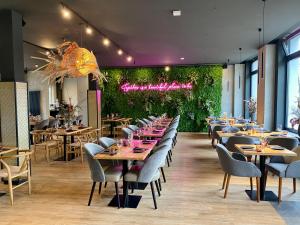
(97, 172)
(153, 118)
(133, 127)
(53, 123)
(42, 125)
(151, 167)
(238, 140)
(286, 142)
(146, 121)
(215, 129)
(126, 132)
(106, 142)
(170, 135)
(141, 123)
(231, 129)
(166, 141)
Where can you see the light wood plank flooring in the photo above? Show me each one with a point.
(191, 195)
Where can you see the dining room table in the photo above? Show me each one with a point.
(263, 153)
(256, 134)
(126, 154)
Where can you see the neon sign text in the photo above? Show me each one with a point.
(156, 87)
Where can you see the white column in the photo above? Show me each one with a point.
(227, 90)
(238, 90)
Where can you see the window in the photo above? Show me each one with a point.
(293, 91)
(293, 44)
(254, 77)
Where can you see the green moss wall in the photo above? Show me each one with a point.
(193, 105)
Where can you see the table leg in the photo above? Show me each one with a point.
(262, 166)
(65, 148)
(125, 186)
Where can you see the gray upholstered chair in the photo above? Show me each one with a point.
(148, 173)
(233, 167)
(106, 142)
(282, 167)
(152, 118)
(141, 123)
(165, 146)
(53, 123)
(133, 127)
(127, 132)
(42, 125)
(112, 174)
(146, 121)
(214, 134)
(286, 142)
(238, 140)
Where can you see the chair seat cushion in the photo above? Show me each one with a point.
(113, 174)
(277, 168)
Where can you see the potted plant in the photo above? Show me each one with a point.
(252, 105)
(296, 113)
(69, 113)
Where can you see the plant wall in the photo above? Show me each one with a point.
(193, 105)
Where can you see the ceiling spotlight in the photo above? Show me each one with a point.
(167, 68)
(66, 13)
(176, 12)
(36, 65)
(129, 58)
(182, 58)
(120, 52)
(47, 52)
(106, 42)
(88, 30)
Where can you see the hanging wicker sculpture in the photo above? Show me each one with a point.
(69, 60)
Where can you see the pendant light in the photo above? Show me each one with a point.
(240, 49)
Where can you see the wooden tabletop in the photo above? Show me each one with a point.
(116, 119)
(268, 151)
(256, 134)
(126, 152)
(62, 131)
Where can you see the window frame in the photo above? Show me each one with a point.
(288, 58)
(253, 72)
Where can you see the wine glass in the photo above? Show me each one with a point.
(244, 127)
(119, 143)
(279, 128)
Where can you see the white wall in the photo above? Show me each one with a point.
(36, 82)
(239, 87)
(76, 89)
(227, 90)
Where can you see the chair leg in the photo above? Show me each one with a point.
(279, 189)
(251, 184)
(224, 181)
(117, 193)
(227, 185)
(157, 187)
(163, 173)
(294, 185)
(10, 189)
(153, 194)
(257, 189)
(100, 186)
(266, 177)
(168, 161)
(29, 181)
(105, 184)
(92, 192)
(159, 182)
(170, 156)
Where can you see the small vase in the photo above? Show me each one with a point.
(252, 117)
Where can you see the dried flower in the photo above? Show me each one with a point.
(251, 104)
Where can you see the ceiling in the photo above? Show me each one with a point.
(208, 32)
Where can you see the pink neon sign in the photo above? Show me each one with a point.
(156, 87)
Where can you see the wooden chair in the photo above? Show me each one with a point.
(11, 172)
(46, 142)
(76, 148)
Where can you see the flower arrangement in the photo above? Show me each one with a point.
(252, 105)
(69, 112)
(296, 113)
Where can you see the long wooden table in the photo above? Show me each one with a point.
(115, 120)
(263, 154)
(274, 134)
(150, 133)
(125, 154)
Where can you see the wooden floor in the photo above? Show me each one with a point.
(191, 195)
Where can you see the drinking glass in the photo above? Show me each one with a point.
(244, 127)
(119, 143)
(279, 128)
